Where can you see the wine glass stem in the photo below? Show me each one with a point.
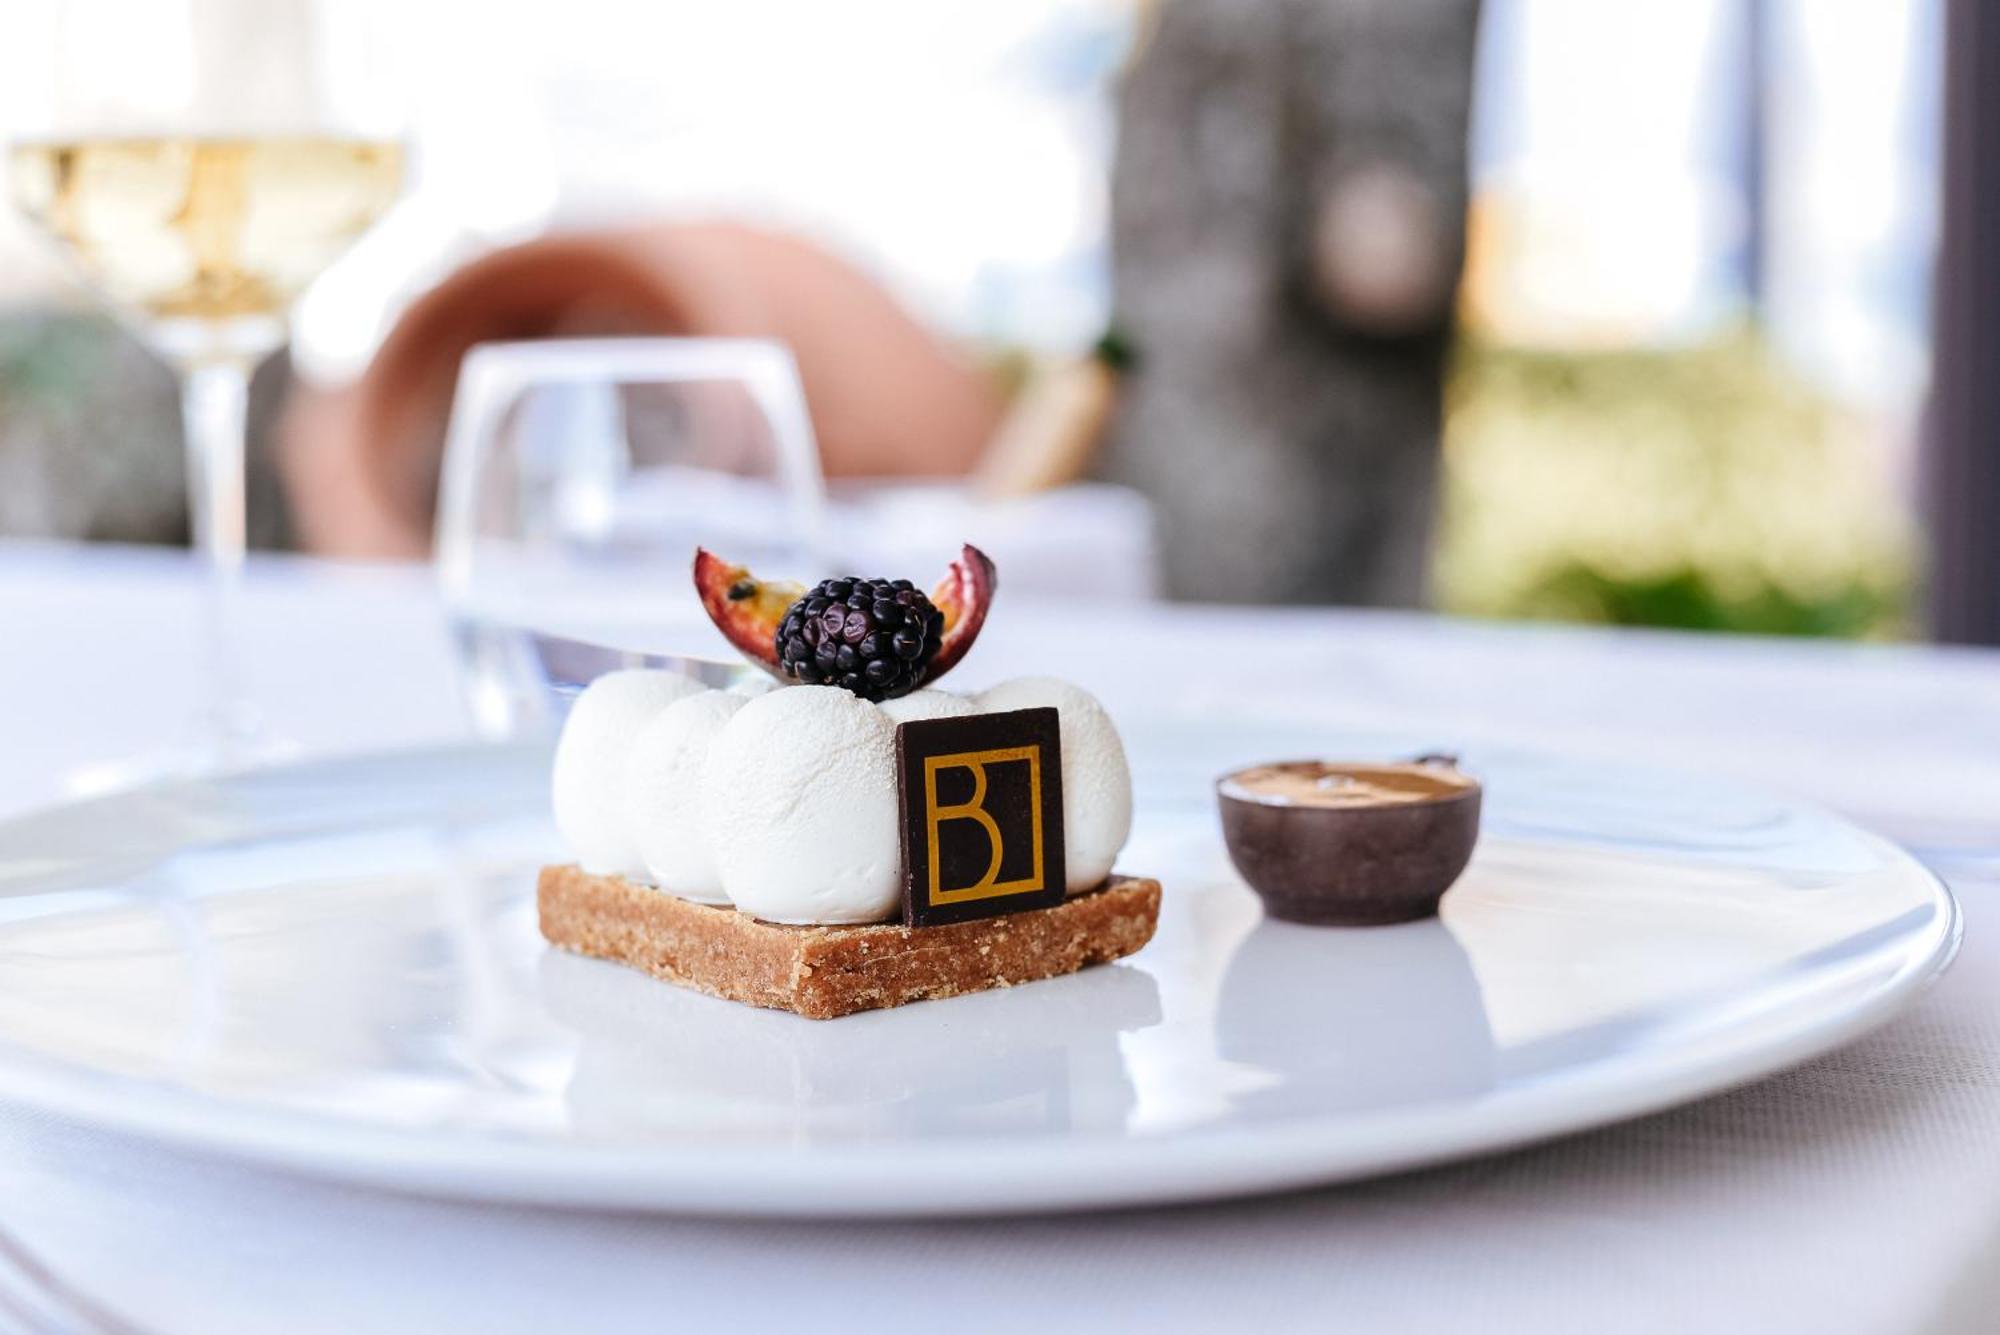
(215, 396)
(215, 400)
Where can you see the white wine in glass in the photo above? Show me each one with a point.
(202, 172)
(206, 243)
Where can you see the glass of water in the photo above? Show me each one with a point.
(579, 477)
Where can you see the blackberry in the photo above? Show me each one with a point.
(874, 637)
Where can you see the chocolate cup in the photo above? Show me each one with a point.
(1356, 866)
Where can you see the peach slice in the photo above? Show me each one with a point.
(747, 610)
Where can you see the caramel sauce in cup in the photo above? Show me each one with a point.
(1319, 783)
(1350, 844)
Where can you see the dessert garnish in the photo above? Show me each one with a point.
(876, 638)
(1350, 844)
(761, 846)
(982, 808)
(879, 638)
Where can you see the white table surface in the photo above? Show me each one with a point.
(1858, 1194)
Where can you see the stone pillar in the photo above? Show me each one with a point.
(1288, 225)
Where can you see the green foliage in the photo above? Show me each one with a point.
(1689, 599)
(49, 364)
(1704, 487)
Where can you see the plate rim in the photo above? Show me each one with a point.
(993, 1175)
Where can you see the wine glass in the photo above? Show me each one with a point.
(200, 162)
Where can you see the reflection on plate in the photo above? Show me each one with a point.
(1040, 1061)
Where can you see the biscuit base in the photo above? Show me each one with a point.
(824, 972)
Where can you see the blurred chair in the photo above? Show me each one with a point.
(887, 396)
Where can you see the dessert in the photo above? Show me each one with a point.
(853, 838)
(1350, 845)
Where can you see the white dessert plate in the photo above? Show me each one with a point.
(333, 968)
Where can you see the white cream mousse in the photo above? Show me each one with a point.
(588, 785)
(784, 804)
(662, 795)
(799, 797)
(1097, 781)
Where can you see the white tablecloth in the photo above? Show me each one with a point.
(1858, 1194)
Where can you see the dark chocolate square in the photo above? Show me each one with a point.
(982, 812)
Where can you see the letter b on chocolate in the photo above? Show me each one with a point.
(981, 802)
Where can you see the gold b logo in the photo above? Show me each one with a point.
(974, 809)
(982, 815)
